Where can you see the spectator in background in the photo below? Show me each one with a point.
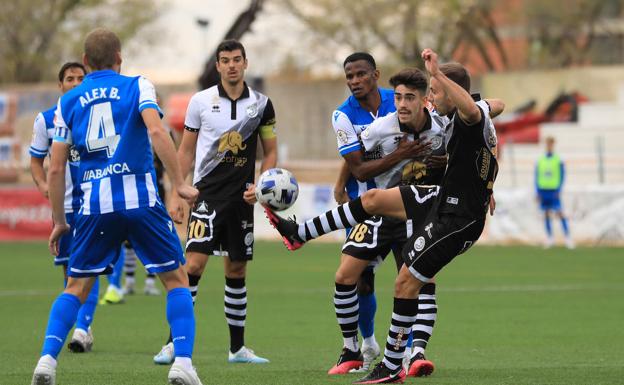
(549, 178)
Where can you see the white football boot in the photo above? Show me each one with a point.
(166, 356)
(179, 375)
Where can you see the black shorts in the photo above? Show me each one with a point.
(221, 228)
(437, 238)
(374, 238)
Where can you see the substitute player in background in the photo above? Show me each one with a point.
(549, 178)
(447, 219)
(112, 121)
(367, 103)
(70, 76)
(223, 124)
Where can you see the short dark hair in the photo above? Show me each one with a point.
(229, 46)
(457, 73)
(101, 47)
(367, 57)
(413, 78)
(68, 65)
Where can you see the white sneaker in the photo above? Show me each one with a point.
(179, 375)
(81, 341)
(370, 353)
(166, 356)
(245, 356)
(150, 288)
(45, 374)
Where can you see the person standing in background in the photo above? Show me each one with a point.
(549, 178)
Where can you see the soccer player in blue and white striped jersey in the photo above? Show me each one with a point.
(107, 119)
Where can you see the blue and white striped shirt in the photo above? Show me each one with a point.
(102, 119)
(43, 132)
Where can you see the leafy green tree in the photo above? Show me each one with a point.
(36, 36)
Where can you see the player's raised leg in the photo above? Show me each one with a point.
(373, 202)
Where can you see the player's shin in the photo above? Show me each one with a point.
(403, 317)
(341, 217)
(427, 314)
(181, 321)
(62, 317)
(87, 310)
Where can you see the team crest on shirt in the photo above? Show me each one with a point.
(74, 155)
(342, 136)
(419, 244)
(436, 142)
(252, 110)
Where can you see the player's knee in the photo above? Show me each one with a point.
(406, 285)
(344, 278)
(371, 201)
(236, 270)
(195, 263)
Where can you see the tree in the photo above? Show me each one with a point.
(402, 28)
(36, 36)
(561, 36)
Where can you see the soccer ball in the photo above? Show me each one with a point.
(277, 189)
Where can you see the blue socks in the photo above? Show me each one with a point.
(366, 321)
(87, 310)
(115, 277)
(62, 318)
(548, 226)
(181, 321)
(564, 224)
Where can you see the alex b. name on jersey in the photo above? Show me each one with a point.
(99, 93)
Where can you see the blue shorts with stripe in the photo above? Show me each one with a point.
(549, 200)
(99, 237)
(65, 244)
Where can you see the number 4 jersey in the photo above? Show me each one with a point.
(102, 119)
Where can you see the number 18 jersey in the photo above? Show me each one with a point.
(102, 119)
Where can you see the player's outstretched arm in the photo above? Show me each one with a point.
(163, 144)
(468, 111)
(56, 186)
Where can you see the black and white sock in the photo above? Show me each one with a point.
(130, 262)
(425, 320)
(194, 285)
(347, 313)
(341, 217)
(236, 311)
(403, 317)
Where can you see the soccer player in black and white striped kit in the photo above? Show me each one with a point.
(447, 219)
